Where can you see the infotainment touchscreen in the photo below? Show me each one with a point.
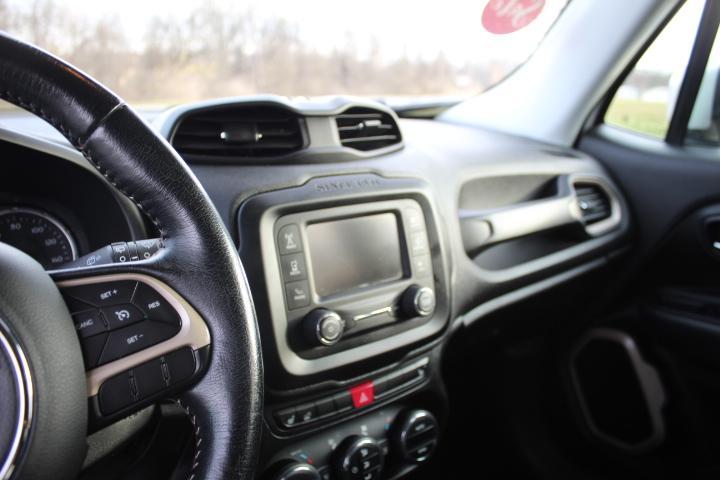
(354, 253)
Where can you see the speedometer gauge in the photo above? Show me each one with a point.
(38, 234)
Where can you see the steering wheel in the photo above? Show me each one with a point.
(43, 393)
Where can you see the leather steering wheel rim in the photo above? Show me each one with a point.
(198, 258)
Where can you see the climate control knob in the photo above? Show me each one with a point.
(415, 435)
(292, 470)
(418, 301)
(358, 458)
(323, 327)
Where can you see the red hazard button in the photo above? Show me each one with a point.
(363, 394)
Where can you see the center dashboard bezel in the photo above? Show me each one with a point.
(257, 221)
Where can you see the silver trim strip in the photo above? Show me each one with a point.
(650, 385)
(63, 229)
(193, 330)
(25, 396)
(389, 310)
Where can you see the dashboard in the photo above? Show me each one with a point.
(368, 241)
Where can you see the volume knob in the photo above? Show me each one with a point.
(323, 327)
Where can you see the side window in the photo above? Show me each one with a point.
(645, 102)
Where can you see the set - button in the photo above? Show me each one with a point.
(293, 267)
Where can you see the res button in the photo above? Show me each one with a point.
(154, 305)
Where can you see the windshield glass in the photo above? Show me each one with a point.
(162, 52)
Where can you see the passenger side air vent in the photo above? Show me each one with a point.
(593, 201)
(367, 129)
(235, 133)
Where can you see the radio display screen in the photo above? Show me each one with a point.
(354, 252)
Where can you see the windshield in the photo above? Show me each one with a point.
(162, 52)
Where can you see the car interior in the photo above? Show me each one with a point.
(518, 283)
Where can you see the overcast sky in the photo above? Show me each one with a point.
(416, 26)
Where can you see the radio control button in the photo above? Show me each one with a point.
(298, 294)
(418, 243)
(293, 267)
(421, 265)
(414, 220)
(323, 327)
(289, 239)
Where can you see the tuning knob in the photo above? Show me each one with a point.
(292, 470)
(358, 458)
(417, 301)
(323, 327)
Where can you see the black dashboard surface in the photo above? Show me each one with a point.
(463, 168)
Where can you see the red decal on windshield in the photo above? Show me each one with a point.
(507, 16)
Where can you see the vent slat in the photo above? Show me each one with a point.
(252, 131)
(366, 129)
(376, 138)
(593, 202)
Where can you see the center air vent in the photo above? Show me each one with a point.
(367, 129)
(239, 132)
(593, 201)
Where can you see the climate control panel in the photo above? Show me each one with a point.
(380, 445)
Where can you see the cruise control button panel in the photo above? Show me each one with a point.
(116, 319)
